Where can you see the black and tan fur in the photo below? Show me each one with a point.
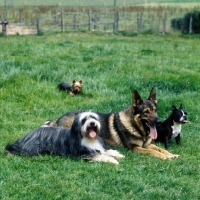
(81, 140)
(134, 127)
(73, 88)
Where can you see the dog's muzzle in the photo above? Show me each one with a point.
(92, 130)
(184, 120)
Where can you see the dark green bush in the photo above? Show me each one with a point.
(183, 24)
(177, 23)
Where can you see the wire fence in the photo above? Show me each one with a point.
(37, 19)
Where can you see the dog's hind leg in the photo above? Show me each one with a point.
(114, 153)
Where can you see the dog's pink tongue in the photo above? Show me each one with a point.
(92, 133)
(153, 132)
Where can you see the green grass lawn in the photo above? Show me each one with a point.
(111, 67)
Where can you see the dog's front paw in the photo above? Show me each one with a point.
(114, 153)
(105, 158)
(112, 160)
(173, 156)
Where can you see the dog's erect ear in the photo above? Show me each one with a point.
(136, 99)
(74, 81)
(152, 96)
(173, 107)
(181, 106)
(80, 81)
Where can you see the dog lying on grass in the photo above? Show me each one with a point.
(73, 88)
(133, 128)
(81, 140)
(171, 127)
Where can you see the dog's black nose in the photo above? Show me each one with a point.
(185, 117)
(158, 121)
(92, 123)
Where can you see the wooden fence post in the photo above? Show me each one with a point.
(38, 23)
(20, 16)
(89, 19)
(62, 19)
(95, 21)
(190, 26)
(139, 22)
(55, 18)
(164, 23)
(116, 20)
(4, 23)
(74, 22)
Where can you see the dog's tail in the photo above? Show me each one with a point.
(46, 123)
(49, 122)
(12, 149)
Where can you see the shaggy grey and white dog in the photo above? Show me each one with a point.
(81, 140)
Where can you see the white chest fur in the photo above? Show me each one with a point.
(95, 145)
(176, 129)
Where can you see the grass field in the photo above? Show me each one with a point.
(111, 67)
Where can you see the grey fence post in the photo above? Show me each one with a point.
(139, 22)
(62, 19)
(164, 23)
(89, 19)
(55, 20)
(20, 16)
(190, 26)
(116, 19)
(38, 23)
(95, 21)
(74, 22)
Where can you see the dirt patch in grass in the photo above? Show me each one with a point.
(21, 30)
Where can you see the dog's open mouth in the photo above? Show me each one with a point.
(153, 132)
(92, 131)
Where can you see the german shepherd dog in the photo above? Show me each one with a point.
(133, 128)
(81, 140)
(171, 127)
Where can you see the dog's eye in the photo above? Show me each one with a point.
(185, 113)
(83, 121)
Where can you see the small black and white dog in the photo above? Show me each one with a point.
(81, 140)
(171, 127)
